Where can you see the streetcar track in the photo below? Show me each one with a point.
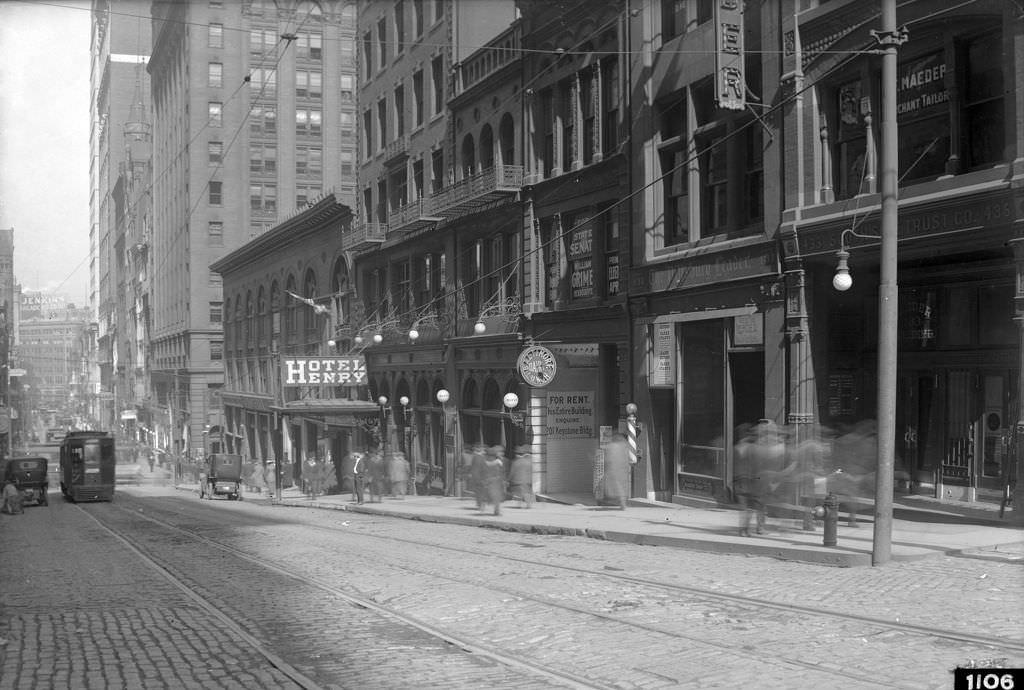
(465, 645)
(447, 636)
(261, 649)
(1005, 643)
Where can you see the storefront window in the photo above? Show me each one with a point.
(941, 130)
(702, 447)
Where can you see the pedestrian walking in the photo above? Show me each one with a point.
(478, 474)
(376, 475)
(521, 476)
(398, 473)
(494, 478)
(759, 456)
(358, 476)
(616, 471)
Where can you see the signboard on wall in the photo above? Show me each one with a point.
(661, 365)
(570, 414)
(315, 371)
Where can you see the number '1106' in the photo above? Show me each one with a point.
(978, 679)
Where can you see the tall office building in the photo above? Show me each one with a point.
(118, 170)
(253, 118)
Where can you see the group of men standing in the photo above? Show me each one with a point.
(379, 474)
(492, 477)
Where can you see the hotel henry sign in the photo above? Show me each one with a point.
(312, 371)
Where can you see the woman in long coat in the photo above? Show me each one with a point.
(494, 477)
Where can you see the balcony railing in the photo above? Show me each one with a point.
(396, 149)
(412, 216)
(472, 193)
(362, 235)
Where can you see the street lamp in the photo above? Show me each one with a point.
(410, 434)
(383, 402)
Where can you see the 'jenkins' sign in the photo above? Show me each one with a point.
(313, 371)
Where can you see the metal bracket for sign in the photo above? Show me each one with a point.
(888, 39)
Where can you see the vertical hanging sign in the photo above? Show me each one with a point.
(730, 80)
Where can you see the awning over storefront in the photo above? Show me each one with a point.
(331, 410)
(702, 315)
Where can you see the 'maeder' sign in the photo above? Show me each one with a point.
(312, 371)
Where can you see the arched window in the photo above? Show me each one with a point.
(468, 156)
(486, 148)
(275, 317)
(309, 289)
(507, 140)
(261, 317)
(291, 311)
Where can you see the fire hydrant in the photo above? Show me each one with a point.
(831, 517)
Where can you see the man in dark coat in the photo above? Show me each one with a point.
(521, 475)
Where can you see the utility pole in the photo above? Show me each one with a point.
(889, 38)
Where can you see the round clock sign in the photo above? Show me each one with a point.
(537, 365)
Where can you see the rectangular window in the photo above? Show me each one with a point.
(399, 27)
(417, 98)
(588, 118)
(215, 117)
(215, 281)
(215, 36)
(610, 105)
(347, 120)
(216, 350)
(983, 101)
(923, 118)
(851, 138)
(367, 56)
(417, 18)
(437, 77)
(674, 171)
(216, 312)
(382, 123)
(399, 108)
(215, 233)
(436, 171)
(215, 76)
(368, 204)
(308, 121)
(714, 170)
(673, 19)
(263, 198)
(263, 158)
(367, 135)
(215, 193)
(215, 152)
(417, 179)
(347, 162)
(308, 83)
(567, 114)
(547, 131)
(348, 88)
(382, 44)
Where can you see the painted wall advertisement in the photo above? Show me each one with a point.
(570, 415)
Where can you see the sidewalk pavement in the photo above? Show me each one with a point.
(921, 527)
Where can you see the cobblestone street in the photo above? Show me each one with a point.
(160, 589)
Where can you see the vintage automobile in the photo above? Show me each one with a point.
(223, 477)
(30, 478)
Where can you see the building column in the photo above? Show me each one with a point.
(1017, 244)
(800, 417)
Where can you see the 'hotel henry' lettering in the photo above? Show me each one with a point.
(307, 371)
